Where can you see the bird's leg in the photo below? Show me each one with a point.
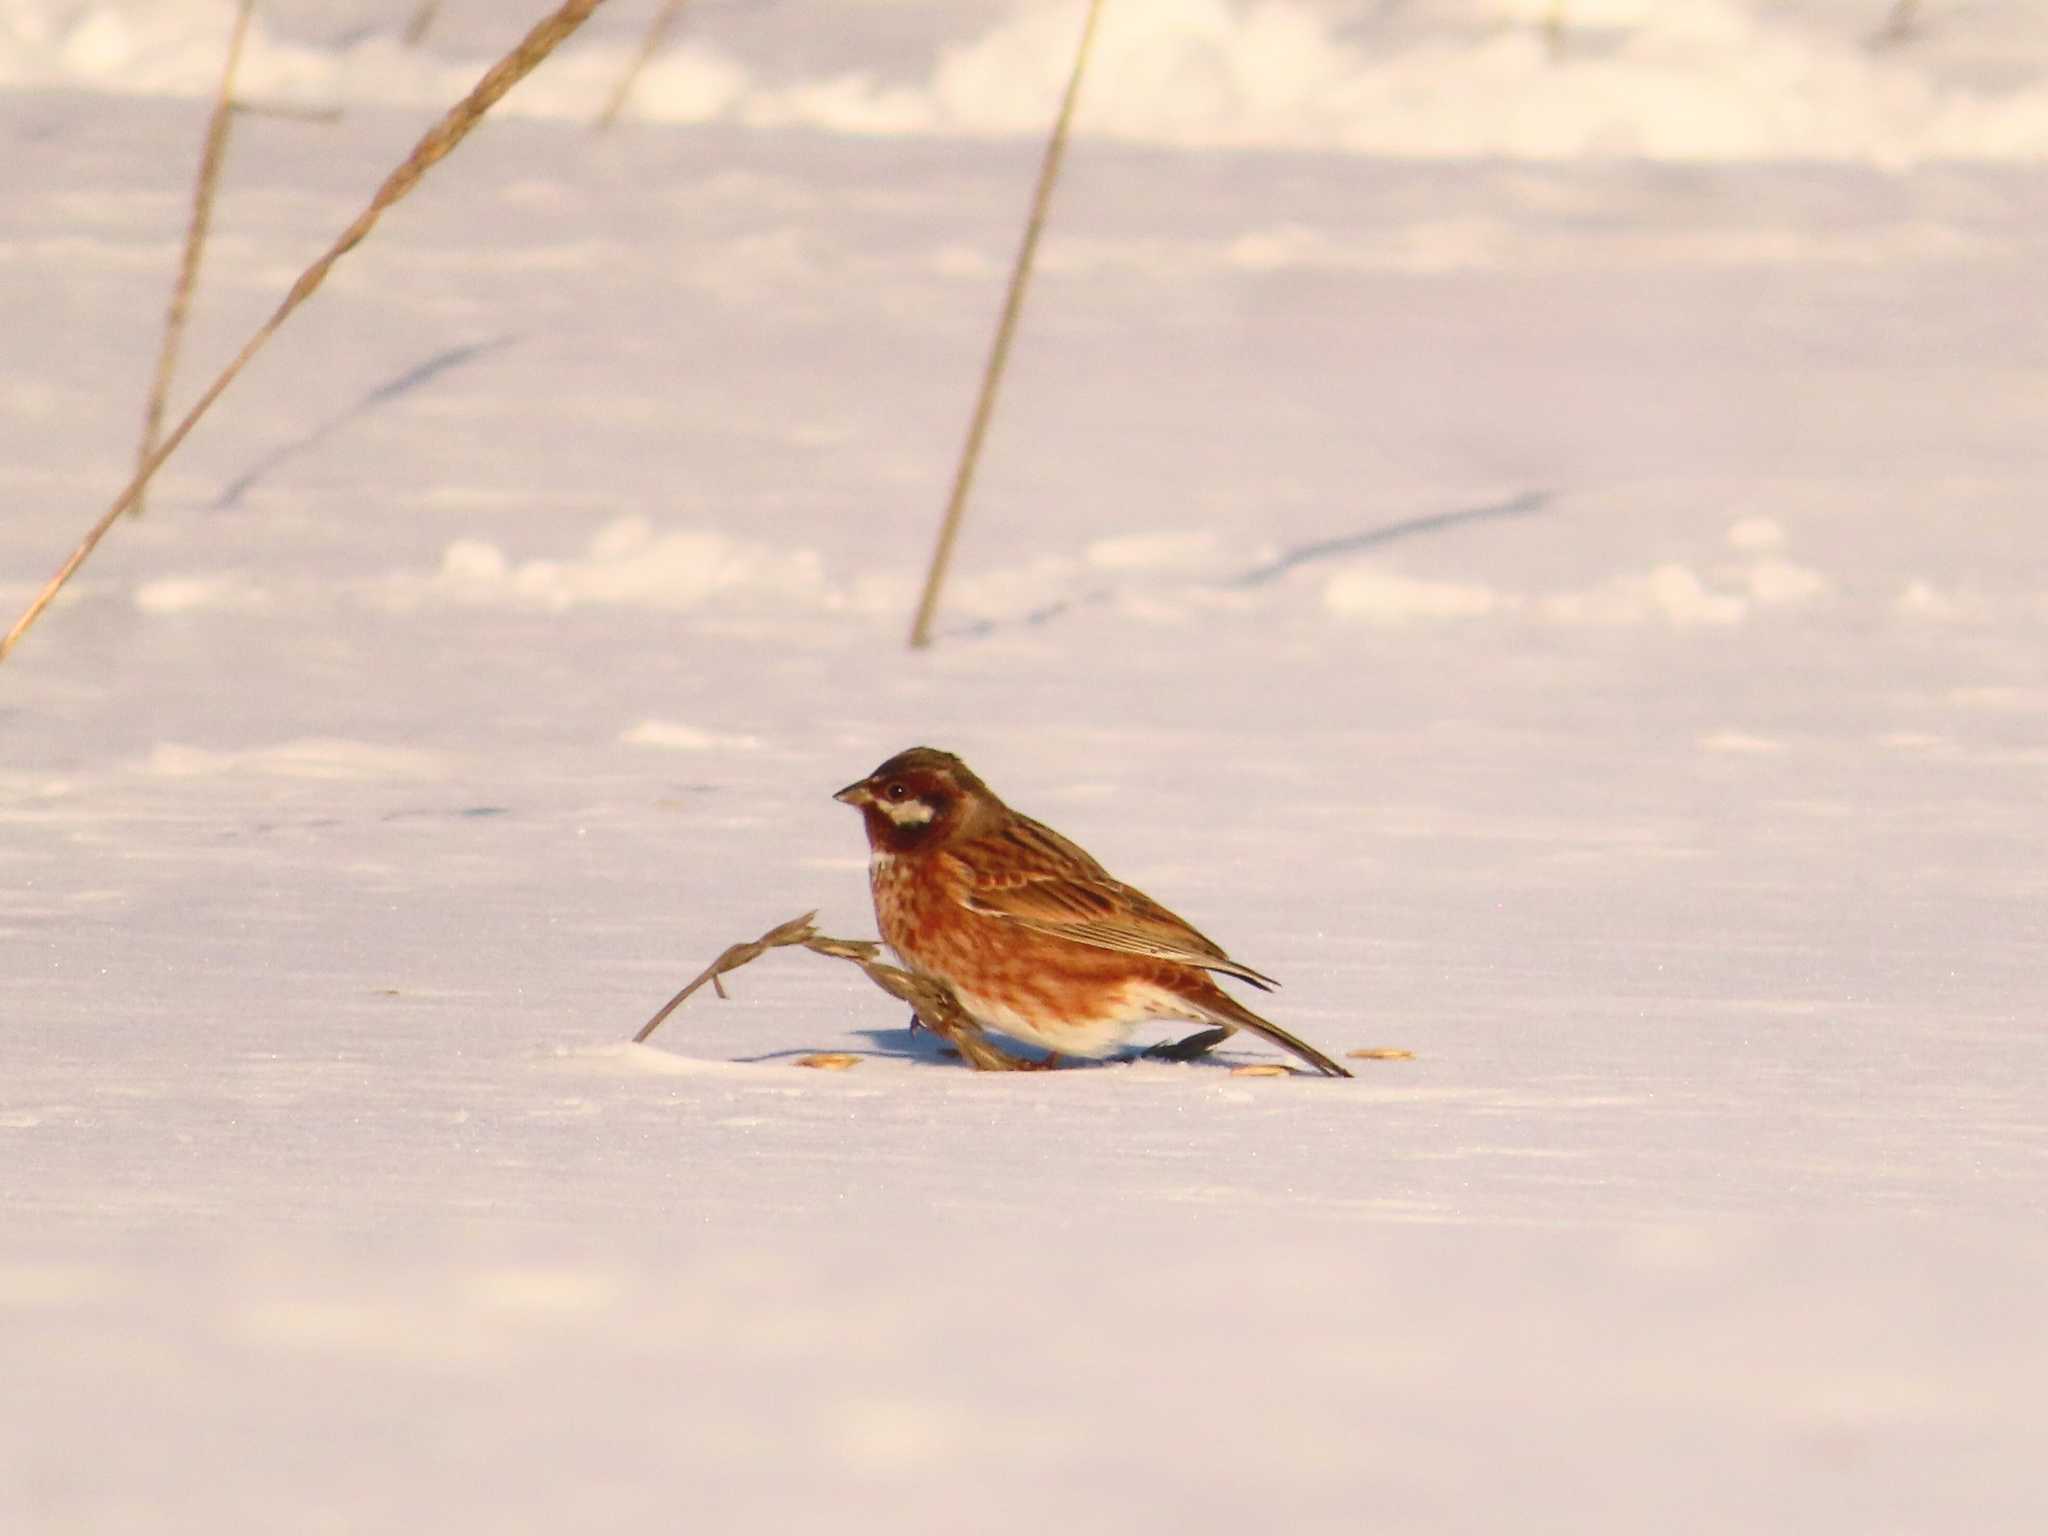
(1198, 1044)
(917, 1023)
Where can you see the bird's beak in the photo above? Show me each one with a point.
(856, 794)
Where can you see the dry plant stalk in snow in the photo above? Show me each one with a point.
(999, 353)
(422, 18)
(450, 131)
(933, 1000)
(203, 185)
(649, 45)
(1899, 26)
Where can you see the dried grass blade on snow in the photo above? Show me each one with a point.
(999, 352)
(1901, 26)
(420, 21)
(934, 1000)
(657, 33)
(289, 110)
(797, 930)
(434, 145)
(211, 157)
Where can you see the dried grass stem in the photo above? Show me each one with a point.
(999, 352)
(932, 999)
(204, 184)
(422, 18)
(454, 125)
(657, 33)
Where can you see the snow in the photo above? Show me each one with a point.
(1716, 80)
(1543, 556)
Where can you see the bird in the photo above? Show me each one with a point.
(1034, 937)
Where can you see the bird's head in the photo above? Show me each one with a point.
(917, 799)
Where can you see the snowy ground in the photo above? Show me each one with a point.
(1575, 609)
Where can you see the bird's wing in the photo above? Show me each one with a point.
(1027, 874)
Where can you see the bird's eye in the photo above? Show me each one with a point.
(897, 791)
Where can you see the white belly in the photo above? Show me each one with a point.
(1095, 1034)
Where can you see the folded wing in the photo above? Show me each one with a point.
(1029, 875)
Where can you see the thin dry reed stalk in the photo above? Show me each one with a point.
(422, 18)
(454, 125)
(999, 353)
(1899, 26)
(203, 185)
(287, 110)
(664, 19)
(933, 1000)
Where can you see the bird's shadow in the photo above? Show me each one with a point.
(403, 384)
(923, 1046)
(1283, 564)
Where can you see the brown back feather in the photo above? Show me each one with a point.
(1026, 873)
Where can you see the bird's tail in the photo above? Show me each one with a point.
(1219, 1007)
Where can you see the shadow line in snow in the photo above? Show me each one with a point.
(1523, 505)
(420, 373)
(1372, 538)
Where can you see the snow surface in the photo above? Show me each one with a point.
(1546, 556)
